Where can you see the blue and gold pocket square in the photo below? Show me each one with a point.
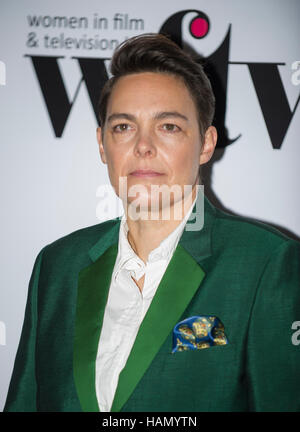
(198, 332)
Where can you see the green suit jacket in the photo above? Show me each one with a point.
(244, 272)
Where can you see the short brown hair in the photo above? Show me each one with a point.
(153, 52)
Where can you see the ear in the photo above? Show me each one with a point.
(101, 147)
(209, 144)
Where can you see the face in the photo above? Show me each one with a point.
(152, 125)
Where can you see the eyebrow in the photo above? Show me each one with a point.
(157, 116)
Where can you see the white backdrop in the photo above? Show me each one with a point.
(49, 184)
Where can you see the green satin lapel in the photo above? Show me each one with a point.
(93, 288)
(159, 320)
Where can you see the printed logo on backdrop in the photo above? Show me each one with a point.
(265, 76)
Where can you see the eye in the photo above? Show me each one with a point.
(170, 127)
(122, 127)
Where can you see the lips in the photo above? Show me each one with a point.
(145, 173)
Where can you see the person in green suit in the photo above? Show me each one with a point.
(153, 314)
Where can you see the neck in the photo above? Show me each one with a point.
(146, 234)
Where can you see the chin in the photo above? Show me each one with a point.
(147, 207)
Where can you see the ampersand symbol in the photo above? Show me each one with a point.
(32, 41)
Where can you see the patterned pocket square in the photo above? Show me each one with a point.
(198, 332)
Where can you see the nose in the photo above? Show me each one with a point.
(145, 146)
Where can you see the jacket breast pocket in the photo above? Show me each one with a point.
(205, 379)
(205, 358)
(211, 367)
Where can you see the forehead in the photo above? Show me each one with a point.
(151, 90)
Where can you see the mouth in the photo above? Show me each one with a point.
(145, 173)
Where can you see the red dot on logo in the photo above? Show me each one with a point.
(199, 27)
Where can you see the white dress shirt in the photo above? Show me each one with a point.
(126, 306)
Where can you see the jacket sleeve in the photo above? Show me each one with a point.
(273, 358)
(23, 387)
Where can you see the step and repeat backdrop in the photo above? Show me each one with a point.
(54, 60)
